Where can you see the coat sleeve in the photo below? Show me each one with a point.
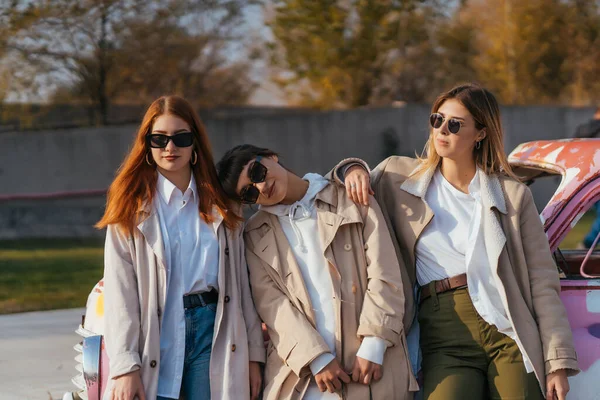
(551, 316)
(337, 173)
(256, 344)
(121, 304)
(383, 307)
(296, 341)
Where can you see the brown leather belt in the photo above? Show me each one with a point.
(444, 285)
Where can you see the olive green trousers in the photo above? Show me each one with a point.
(465, 358)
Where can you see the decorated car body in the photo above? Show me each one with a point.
(577, 162)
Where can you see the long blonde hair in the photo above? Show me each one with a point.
(482, 105)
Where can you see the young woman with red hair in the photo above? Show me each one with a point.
(180, 320)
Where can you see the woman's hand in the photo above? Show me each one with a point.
(557, 385)
(331, 377)
(255, 380)
(364, 371)
(128, 386)
(358, 185)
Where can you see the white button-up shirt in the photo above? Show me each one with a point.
(453, 244)
(299, 223)
(192, 258)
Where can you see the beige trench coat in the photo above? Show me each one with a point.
(368, 298)
(135, 292)
(517, 249)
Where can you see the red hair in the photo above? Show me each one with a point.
(135, 183)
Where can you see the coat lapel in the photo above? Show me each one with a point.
(416, 186)
(493, 202)
(279, 256)
(150, 229)
(266, 250)
(334, 209)
(328, 223)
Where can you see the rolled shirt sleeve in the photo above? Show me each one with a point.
(320, 362)
(372, 349)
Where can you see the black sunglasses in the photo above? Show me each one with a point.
(436, 120)
(257, 174)
(160, 141)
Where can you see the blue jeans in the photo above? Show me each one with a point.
(199, 328)
(588, 241)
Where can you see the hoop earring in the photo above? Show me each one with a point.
(148, 160)
(478, 145)
(194, 157)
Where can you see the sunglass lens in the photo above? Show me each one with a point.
(250, 194)
(257, 172)
(183, 139)
(436, 120)
(453, 125)
(158, 141)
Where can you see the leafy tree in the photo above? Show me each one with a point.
(342, 53)
(99, 52)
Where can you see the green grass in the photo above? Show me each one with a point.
(48, 274)
(576, 235)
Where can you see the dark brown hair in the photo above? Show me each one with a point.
(230, 167)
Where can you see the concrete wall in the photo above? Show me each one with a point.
(51, 218)
(87, 158)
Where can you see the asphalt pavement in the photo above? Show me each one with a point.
(36, 354)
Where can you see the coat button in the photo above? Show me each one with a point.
(226, 299)
(354, 288)
(226, 251)
(152, 364)
(368, 261)
(233, 347)
(366, 246)
(347, 247)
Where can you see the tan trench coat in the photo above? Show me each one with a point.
(517, 249)
(135, 292)
(368, 298)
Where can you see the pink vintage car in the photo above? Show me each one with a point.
(576, 162)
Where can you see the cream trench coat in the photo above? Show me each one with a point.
(517, 248)
(135, 292)
(368, 298)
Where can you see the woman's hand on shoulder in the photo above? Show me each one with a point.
(557, 385)
(358, 185)
(128, 387)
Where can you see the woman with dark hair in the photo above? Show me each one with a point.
(325, 280)
(492, 324)
(179, 315)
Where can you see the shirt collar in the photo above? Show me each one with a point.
(166, 188)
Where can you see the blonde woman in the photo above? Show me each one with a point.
(492, 324)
